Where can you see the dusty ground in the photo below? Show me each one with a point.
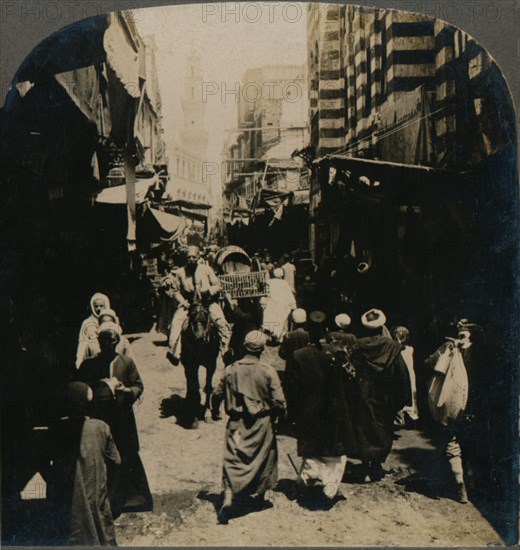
(184, 469)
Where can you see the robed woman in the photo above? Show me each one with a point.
(117, 385)
(88, 345)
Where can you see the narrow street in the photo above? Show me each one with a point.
(184, 469)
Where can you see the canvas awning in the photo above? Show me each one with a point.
(190, 204)
(163, 226)
(117, 194)
(389, 178)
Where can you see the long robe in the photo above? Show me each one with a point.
(317, 404)
(381, 388)
(279, 305)
(77, 482)
(128, 486)
(88, 345)
(252, 396)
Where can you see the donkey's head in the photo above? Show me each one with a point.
(199, 321)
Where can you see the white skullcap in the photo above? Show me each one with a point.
(278, 273)
(342, 320)
(299, 316)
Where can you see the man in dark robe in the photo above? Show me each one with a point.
(297, 338)
(253, 399)
(294, 340)
(317, 405)
(381, 387)
(245, 316)
(116, 384)
(341, 334)
(76, 481)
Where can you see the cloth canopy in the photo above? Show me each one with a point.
(166, 226)
(70, 48)
(190, 204)
(117, 194)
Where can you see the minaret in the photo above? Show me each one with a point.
(194, 136)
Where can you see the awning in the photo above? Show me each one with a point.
(232, 253)
(389, 178)
(164, 226)
(190, 204)
(122, 52)
(70, 48)
(270, 198)
(117, 194)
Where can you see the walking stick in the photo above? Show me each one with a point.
(298, 472)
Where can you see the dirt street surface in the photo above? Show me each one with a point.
(407, 508)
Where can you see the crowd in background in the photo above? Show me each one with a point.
(347, 384)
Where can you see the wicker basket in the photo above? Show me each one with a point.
(245, 285)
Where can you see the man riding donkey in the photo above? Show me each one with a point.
(196, 283)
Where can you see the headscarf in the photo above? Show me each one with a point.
(99, 296)
(113, 314)
(373, 319)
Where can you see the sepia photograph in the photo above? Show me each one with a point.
(259, 279)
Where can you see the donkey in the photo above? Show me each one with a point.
(200, 347)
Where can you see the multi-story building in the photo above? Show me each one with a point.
(190, 184)
(272, 124)
(414, 189)
(393, 86)
(149, 131)
(380, 79)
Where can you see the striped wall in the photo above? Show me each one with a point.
(328, 87)
(363, 61)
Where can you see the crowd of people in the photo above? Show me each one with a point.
(345, 389)
(340, 394)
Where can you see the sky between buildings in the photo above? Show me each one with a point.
(229, 38)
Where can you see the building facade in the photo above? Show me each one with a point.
(189, 189)
(272, 124)
(374, 73)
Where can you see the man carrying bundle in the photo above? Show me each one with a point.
(457, 399)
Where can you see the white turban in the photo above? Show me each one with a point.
(299, 316)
